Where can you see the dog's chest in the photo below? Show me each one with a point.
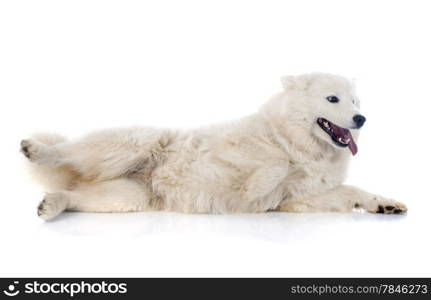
(308, 178)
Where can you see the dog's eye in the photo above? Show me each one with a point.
(333, 99)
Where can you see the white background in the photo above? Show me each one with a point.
(73, 66)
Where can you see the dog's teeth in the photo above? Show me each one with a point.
(343, 141)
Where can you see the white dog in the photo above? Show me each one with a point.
(291, 156)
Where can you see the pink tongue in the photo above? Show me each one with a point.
(345, 135)
(353, 147)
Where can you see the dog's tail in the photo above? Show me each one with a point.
(52, 178)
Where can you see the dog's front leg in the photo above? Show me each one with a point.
(263, 181)
(344, 199)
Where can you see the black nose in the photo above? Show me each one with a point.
(359, 120)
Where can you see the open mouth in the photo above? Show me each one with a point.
(339, 135)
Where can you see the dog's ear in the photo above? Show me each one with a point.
(287, 82)
(295, 82)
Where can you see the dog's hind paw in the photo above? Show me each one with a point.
(51, 206)
(28, 149)
(34, 151)
(38, 152)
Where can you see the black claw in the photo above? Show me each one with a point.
(25, 151)
(24, 148)
(381, 210)
(398, 211)
(390, 207)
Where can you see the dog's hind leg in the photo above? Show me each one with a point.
(343, 199)
(103, 155)
(119, 195)
(40, 153)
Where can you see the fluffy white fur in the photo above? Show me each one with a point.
(275, 159)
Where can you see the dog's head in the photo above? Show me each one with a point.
(323, 105)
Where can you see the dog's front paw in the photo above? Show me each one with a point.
(388, 206)
(51, 206)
